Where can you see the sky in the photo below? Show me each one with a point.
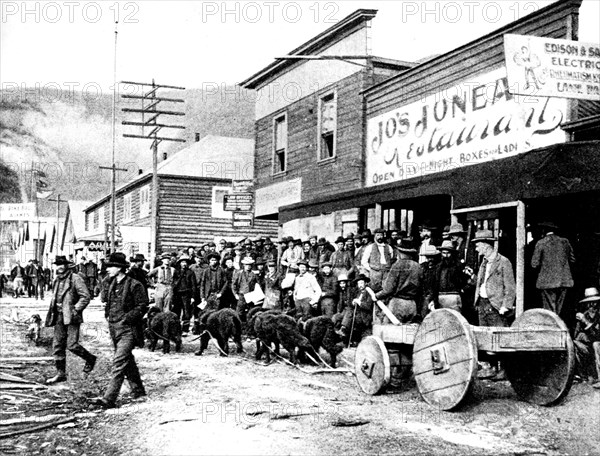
(192, 44)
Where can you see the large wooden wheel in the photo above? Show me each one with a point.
(444, 359)
(372, 365)
(541, 377)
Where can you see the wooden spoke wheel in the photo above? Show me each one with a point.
(542, 377)
(372, 365)
(444, 359)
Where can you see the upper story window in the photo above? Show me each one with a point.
(280, 144)
(101, 221)
(327, 126)
(145, 201)
(127, 208)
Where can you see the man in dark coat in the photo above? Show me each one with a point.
(70, 297)
(403, 286)
(329, 290)
(185, 290)
(213, 283)
(587, 337)
(358, 316)
(37, 280)
(553, 255)
(449, 279)
(137, 271)
(125, 300)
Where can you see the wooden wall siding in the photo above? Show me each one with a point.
(587, 108)
(185, 207)
(463, 64)
(343, 173)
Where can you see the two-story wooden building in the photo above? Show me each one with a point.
(192, 184)
(310, 124)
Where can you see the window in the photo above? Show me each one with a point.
(127, 208)
(145, 201)
(280, 144)
(327, 126)
(96, 218)
(217, 202)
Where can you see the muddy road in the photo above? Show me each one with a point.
(211, 405)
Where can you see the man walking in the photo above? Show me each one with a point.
(70, 297)
(125, 301)
(553, 255)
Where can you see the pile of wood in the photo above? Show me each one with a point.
(24, 412)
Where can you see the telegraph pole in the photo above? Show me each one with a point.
(149, 92)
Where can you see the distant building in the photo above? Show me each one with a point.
(192, 184)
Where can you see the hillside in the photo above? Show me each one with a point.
(68, 136)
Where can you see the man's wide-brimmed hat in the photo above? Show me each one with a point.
(214, 255)
(548, 225)
(340, 239)
(361, 277)
(61, 260)
(590, 295)
(165, 256)
(304, 262)
(430, 251)
(342, 277)
(117, 259)
(484, 236)
(313, 264)
(185, 258)
(322, 241)
(448, 245)
(456, 228)
(138, 257)
(406, 245)
(247, 260)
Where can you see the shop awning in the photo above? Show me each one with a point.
(550, 171)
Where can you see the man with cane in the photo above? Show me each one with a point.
(360, 317)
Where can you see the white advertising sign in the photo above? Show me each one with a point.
(474, 122)
(552, 68)
(12, 212)
(270, 199)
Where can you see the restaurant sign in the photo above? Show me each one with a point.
(477, 121)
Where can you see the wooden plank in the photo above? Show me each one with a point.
(403, 334)
(26, 359)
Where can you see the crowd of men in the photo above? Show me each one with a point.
(363, 279)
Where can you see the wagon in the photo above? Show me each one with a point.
(536, 351)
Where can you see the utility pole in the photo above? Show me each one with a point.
(149, 95)
(58, 201)
(113, 191)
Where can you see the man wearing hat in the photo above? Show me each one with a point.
(341, 259)
(325, 250)
(428, 271)
(553, 256)
(137, 271)
(313, 253)
(307, 292)
(587, 337)
(403, 286)
(212, 284)
(329, 288)
(163, 276)
(495, 291)
(272, 287)
(449, 279)
(36, 277)
(292, 254)
(185, 290)
(358, 317)
(244, 281)
(125, 301)
(70, 297)
(377, 260)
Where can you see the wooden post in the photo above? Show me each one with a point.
(154, 203)
(521, 239)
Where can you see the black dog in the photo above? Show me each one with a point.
(163, 325)
(220, 324)
(34, 329)
(320, 331)
(277, 328)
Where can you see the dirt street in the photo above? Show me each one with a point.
(236, 406)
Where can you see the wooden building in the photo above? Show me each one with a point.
(447, 141)
(192, 184)
(309, 124)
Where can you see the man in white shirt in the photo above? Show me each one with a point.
(377, 260)
(307, 292)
